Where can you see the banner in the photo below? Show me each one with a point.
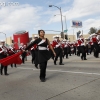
(76, 24)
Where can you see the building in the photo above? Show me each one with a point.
(70, 37)
(9, 40)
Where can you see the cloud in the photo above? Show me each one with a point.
(15, 18)
(84, 10)
(91, 23)
(63, 2)
(80, 9)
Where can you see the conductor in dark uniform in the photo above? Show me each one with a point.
(43, 53)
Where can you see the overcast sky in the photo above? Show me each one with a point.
(31, 15)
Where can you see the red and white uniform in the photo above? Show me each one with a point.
(80, 42)
(68, 44)
(98, 38)
(94, 39)
(90, 42)
(56, 44)
(21, 48)
(4, 50)
(11, 50)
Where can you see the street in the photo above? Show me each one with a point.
(75, 80)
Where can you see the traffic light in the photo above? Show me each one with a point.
(66, 37)
(62, 35)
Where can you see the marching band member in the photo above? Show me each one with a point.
(43, 53)
(91, 44)
(95, 41)
(69, 47)
(3, 54)
(22, 48)
(12, 51)
(75, 46)
(82, 47)
(34, 51)
(51, 43)
(65, 48)
(87, 46)
(33, 48)
(58, 49)
(98, 37)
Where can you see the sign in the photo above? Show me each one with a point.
(65, 31)
(76, 24)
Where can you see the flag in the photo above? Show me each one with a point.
(15, 58)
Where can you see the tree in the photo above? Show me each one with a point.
(92, 30)
(98, 31)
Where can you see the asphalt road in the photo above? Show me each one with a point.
(76, 80)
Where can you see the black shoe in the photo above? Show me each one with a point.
(55, 63)
(43, 80)
(53, 58)
(61, 64)
(97, 57)
(81, 57)
(36, 66)
(1, 74)
(85, 59)
(7, 74)
(11, 66)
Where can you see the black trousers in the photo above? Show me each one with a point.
(43, 67)
(87, 49)
(82, 48)
(5, 69)
(78, 50)
(51, 53)
(23, 57)
(74, 50)
(59, 53)
(96, 50)
(33, 55)
(65, 52)
(69, 50)
(12, 65)
(92, 49)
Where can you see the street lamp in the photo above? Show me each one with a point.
(61, 16)
(66, 36)
(5, 37)
(65, 20)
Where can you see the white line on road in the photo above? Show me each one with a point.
(64, 71)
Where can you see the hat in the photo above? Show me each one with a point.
(80, 34)
(68, 41)
(35, 36)
(64, 40)
(58, 36)
(94, 34)
(2, 40)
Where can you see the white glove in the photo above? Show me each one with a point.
(57, 46)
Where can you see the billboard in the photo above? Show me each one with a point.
(76, 24)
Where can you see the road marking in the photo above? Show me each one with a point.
(86, 73)
(77, 61)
